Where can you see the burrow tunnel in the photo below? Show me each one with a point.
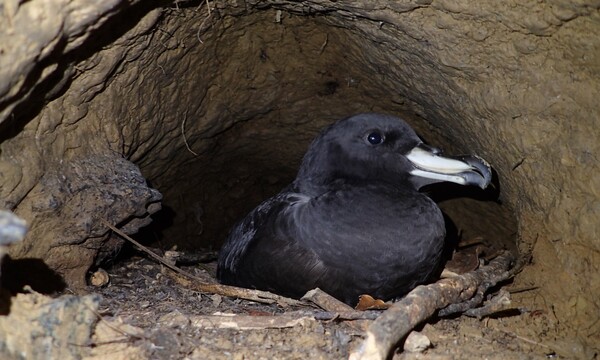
(174, 121)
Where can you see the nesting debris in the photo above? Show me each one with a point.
(457, 294)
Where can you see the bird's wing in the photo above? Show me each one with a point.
(263, 251)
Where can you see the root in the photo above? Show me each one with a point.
(454, 295)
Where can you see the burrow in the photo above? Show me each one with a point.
(107, 116)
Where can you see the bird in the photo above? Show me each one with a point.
(354, 220)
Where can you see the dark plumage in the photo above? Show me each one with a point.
(353, 221)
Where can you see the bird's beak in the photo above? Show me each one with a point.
(430, 167)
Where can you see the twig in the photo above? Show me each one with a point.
(488, 281)
(522, 289)
(188, 258)
(248, 322)
(495, 305)
(200, 285)
(326, 301)
(337, 310)
(260, 296)
(347, 315)
(421, 303)
(289, 319)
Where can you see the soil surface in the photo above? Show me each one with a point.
(165, 316)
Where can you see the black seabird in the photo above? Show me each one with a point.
(353, 221)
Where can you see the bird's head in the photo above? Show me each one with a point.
(383, 148)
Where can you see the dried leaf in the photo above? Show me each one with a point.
(464, 260)
(367, 302)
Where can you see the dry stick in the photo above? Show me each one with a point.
(495, 305)
(422, 302)
(279, 321)
(347, 315)
(200, 285)
(337, 310)
(180, 257)
(260, 296)
(326, 301)
(249, 322)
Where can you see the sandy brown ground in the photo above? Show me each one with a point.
(162, 312)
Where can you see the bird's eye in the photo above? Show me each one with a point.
(375, 138)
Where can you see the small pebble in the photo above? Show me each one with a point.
(99, 278)
(216, 300)
(416, 342)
